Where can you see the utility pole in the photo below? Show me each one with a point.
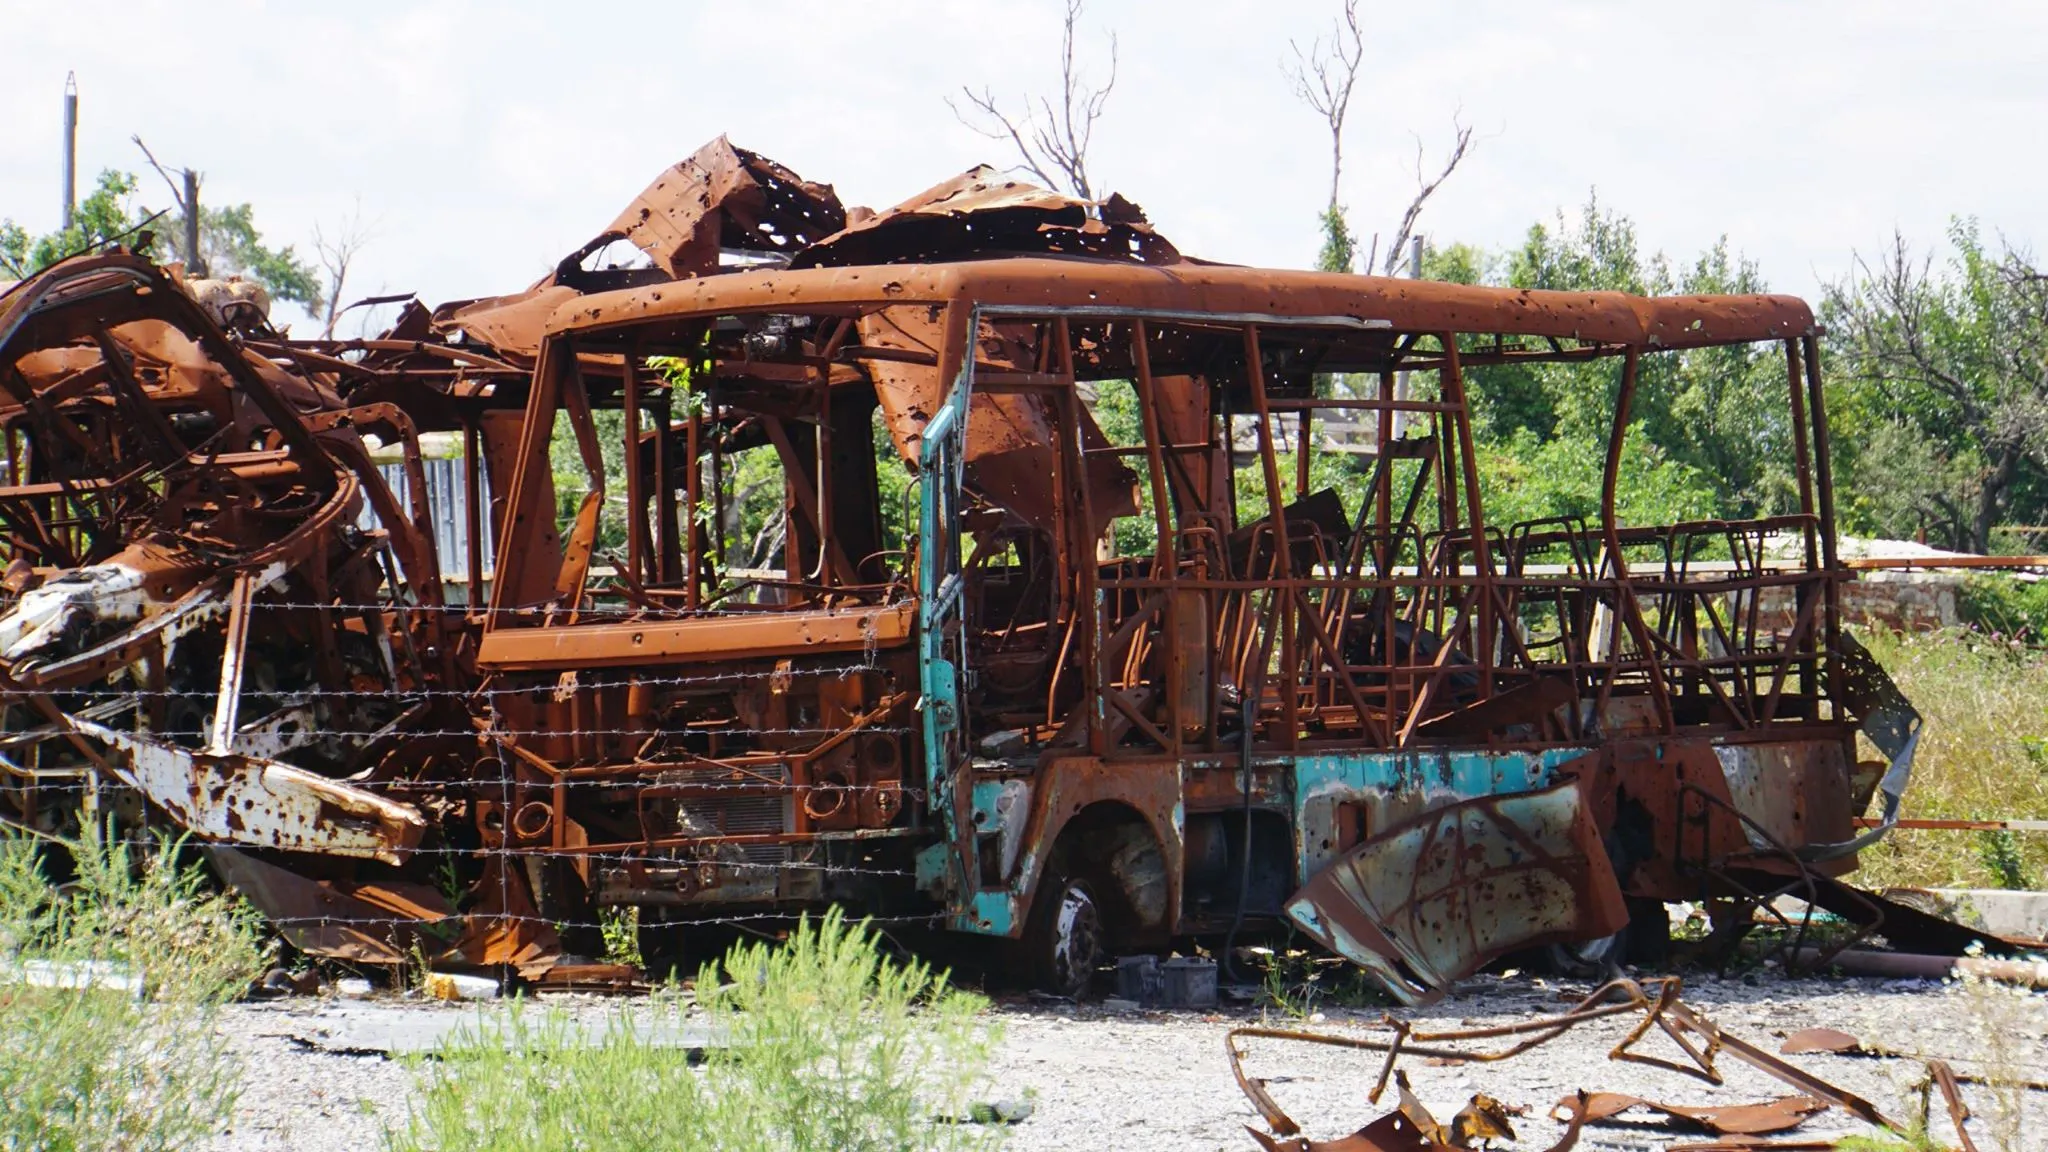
(194, 266)
(70, 145)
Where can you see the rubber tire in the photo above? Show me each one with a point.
(1063, 939)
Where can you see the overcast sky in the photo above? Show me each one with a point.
(482, 141)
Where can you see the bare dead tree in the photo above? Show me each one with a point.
(1972, 348)
(1324, 76)
(1051, 142)
(185, 194)
(1461, 145)
(335, 256)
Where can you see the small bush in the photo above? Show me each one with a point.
(817, 1044)
(95, 1065)
(2005, 607)
(1999, 851)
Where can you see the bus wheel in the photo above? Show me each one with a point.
(1063, 940)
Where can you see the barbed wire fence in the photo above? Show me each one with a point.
(458, 857)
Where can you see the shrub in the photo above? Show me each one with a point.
(820, 1043)
(95, 1064)
(2005, 607)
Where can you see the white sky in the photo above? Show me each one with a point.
(483, 141)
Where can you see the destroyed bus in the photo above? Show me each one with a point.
(1051, 626)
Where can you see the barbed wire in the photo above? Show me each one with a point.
(524, 735)
(558, 617)
(553, 684)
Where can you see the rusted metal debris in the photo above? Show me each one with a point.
(1700, 1042)
(1778, 1115)
(1411, 1127)
(1423, 903)
(1838, 1043)
(1082, 657)
(162, 486)
(365, 922)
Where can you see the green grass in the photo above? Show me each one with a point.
(1983, 755)
(1299, 982)
(100, 1068)
(821, 1044)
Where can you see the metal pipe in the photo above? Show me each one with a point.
(472, 511)
(1858, 962)
(636, 496)
(70, 145)
(1276, 501)
(1824, 489)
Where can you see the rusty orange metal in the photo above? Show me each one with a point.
(1657, 1003)
(963, 562)
(1422, 903)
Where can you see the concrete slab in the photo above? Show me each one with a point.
(402, 1030)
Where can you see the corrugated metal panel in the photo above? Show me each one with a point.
(447, 480)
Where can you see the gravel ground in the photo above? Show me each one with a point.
(1130, 1080)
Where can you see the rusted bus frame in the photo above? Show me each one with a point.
(1489, 607)
(550, 791)
(515, 574)
(1098, 693)
(1824, 497)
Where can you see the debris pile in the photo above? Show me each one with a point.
(1651, 1007)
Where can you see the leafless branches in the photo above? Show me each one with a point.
(1051, 142)
(335, 255)
(1461, 144)
(185, 194)
(177, 192)
(1323, 78)
(1962, 356)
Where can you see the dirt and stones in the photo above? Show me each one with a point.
(1160, 1080)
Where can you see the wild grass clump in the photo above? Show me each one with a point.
(1983, 755)
(1299, 982)
(2000, 1016)
(110, 987)
(820, 1043)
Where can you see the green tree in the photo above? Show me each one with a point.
(103, 217)
(1942, 379)
(229, 241)
(1709, 429)
(231, 245)
(1340, 247)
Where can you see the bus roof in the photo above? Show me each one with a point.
(1189, 287)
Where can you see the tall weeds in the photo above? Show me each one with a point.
(1983, 755)
(89, 1060)
(817, 1044)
